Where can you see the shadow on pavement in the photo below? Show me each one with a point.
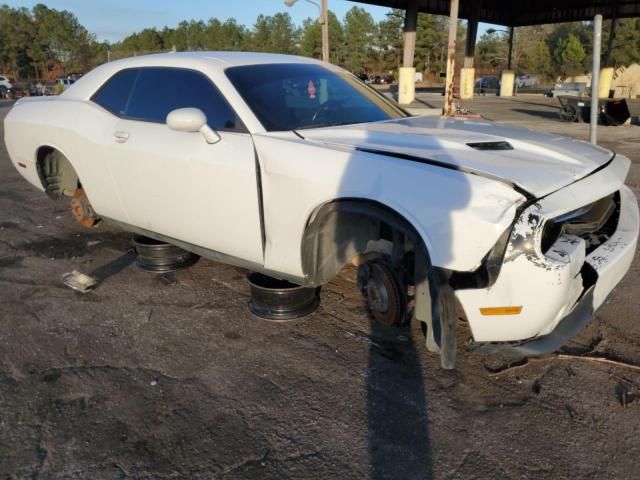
(539, 113)
(398, 432)
(113, 267)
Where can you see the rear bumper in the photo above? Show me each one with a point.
(559, 292)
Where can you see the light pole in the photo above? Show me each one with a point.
(323, 20)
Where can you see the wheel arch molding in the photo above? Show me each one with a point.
(342, 229)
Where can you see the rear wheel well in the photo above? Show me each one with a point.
(56, 173)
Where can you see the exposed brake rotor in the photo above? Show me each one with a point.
(383, 291)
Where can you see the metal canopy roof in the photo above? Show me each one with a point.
(518, 13)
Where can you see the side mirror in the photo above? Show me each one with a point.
(192, 120)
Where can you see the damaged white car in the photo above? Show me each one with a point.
(293, 168)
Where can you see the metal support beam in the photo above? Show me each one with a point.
(470, 46)
(467, 72)
(595, 78)
(612, 36)
(511, 29)
(409, 34)
(472, 34)
(451, 59)
(407, 74)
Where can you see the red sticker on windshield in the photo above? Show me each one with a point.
(311, 89)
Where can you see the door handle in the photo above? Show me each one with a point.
(121, 137)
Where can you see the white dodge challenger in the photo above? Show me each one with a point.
(293, 168)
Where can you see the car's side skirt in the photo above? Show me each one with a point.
(207, 253)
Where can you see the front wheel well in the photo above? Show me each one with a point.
(342, 230)
(56, 173)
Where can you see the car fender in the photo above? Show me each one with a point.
(459, 216)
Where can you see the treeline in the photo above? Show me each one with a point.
(550, 51)
(357, 42)
(34, 42)
(44, 43)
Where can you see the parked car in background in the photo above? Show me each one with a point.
(293, 168)
(64, 82)
(36, 89)
(39, 89)
(5, 86)
(524, 81)
(380, 79)
(488, 84)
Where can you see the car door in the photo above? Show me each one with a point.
(177, 184)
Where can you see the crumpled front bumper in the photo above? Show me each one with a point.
(561, 291)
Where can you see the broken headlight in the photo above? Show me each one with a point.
(594, 223)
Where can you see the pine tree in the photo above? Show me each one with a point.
(360, 32)
(570, 54)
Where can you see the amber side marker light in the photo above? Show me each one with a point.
(501, 310)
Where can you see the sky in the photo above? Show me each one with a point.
(112, 20)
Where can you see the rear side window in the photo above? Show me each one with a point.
(149, 94)
(158, 91)
(115, 93)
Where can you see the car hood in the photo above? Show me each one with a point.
(538, 163)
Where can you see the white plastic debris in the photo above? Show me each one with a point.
(79, 281)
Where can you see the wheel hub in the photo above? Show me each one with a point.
(384, 293)
(82, 210)
(378, 295)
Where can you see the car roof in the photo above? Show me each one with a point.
(226, 58)
(212, 61)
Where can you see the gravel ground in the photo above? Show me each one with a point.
(172, 377)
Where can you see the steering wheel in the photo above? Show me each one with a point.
(326, 105)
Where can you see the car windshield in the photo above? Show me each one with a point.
(294, 96)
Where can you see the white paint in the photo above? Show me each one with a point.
(445, 206)
(191, 120)
(506, 83)
(171, 181)
(528, 165)
(406, 85)
(548, 286)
